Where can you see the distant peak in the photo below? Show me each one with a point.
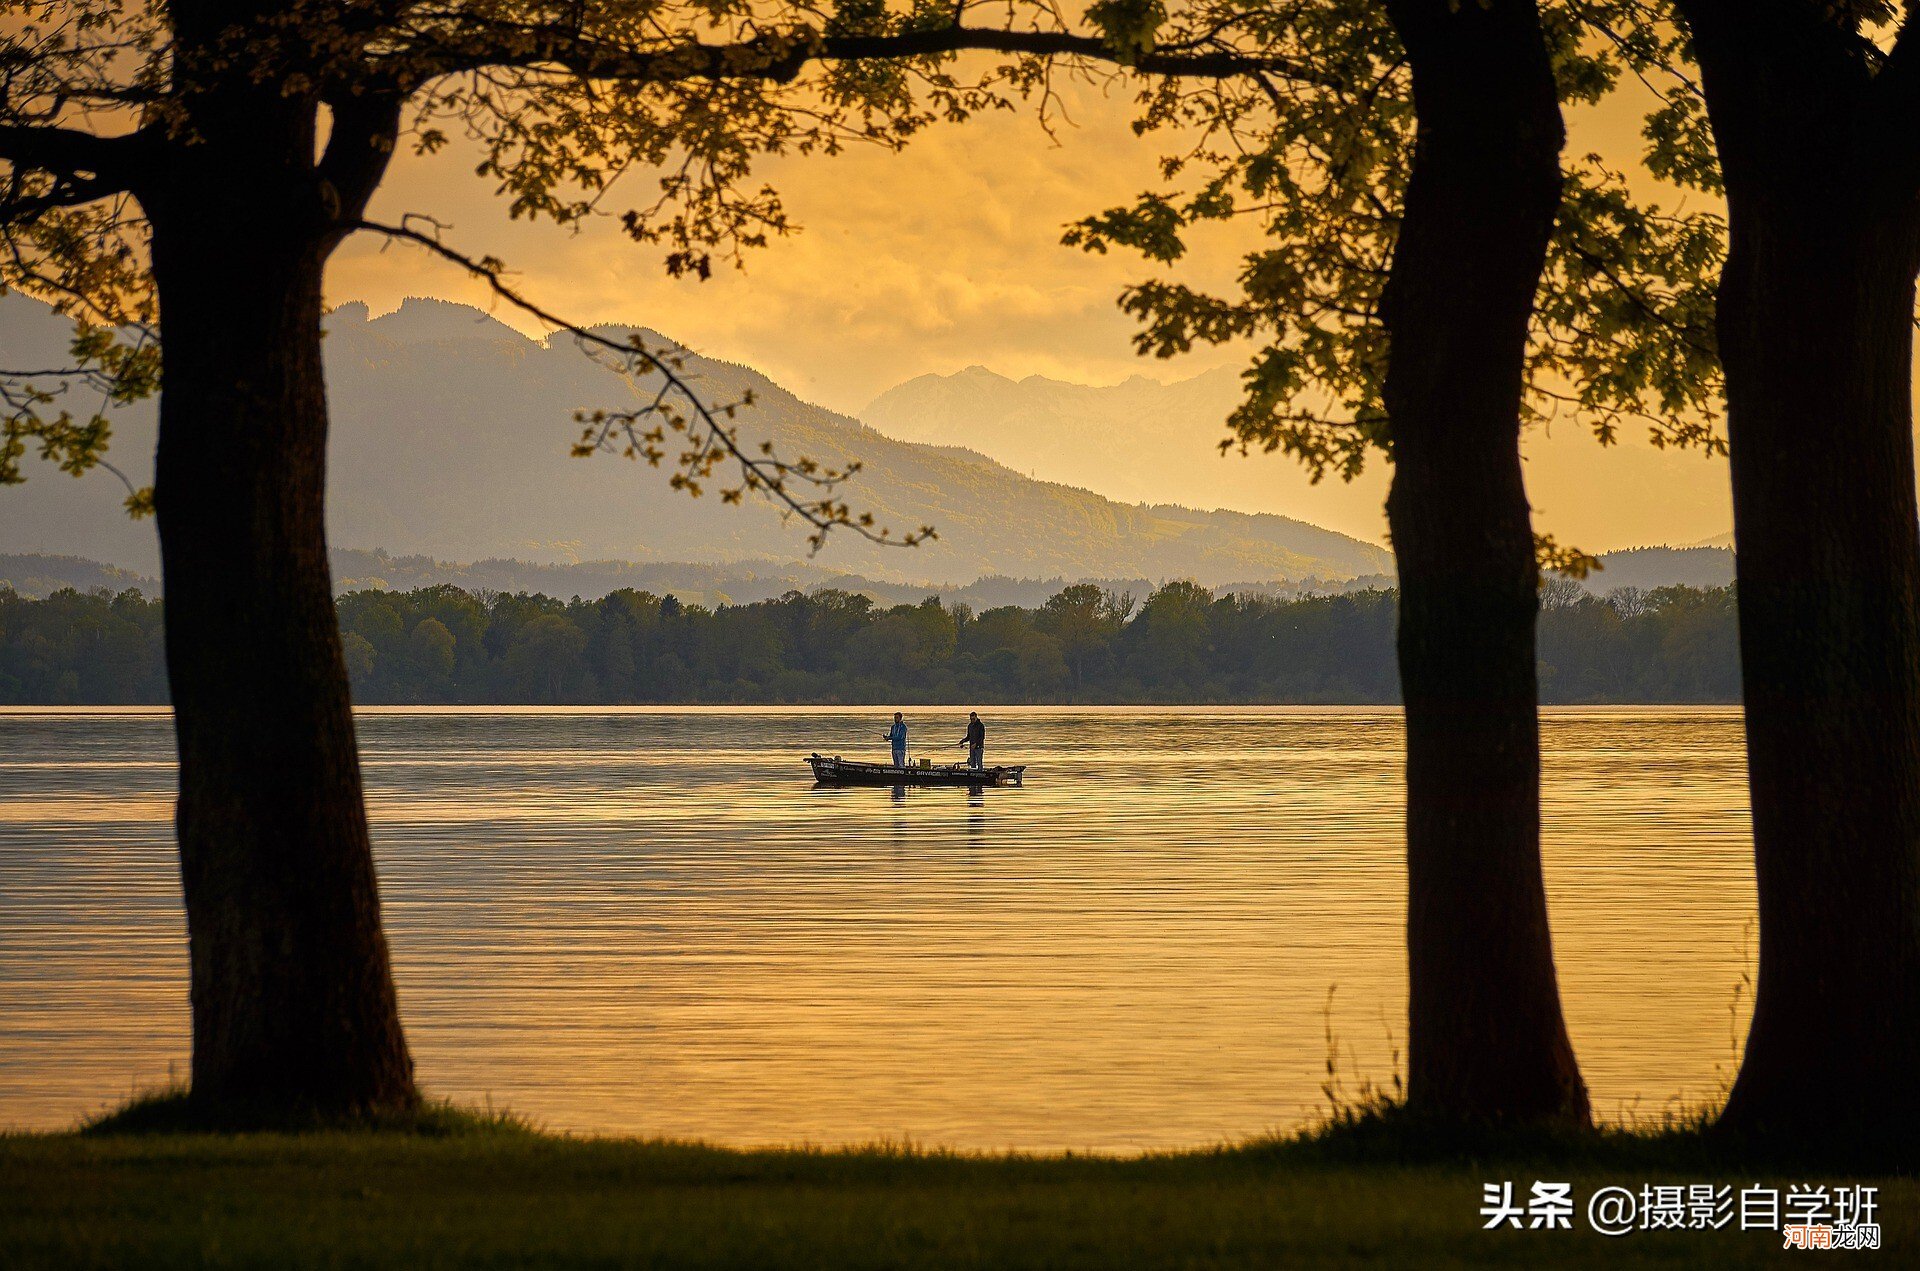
(976, 377)
(617, 331)
(455, 311)
(430, 318)
(434, 304)
(978, 372)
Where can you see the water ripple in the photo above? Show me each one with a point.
(646, 921)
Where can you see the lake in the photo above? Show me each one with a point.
(647, 921)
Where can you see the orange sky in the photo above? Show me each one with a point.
(948, 255)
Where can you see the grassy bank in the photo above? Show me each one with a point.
(504, 1197)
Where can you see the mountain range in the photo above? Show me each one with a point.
(36, 574)
(451, 433)
(1139, 439)
(1146, 440)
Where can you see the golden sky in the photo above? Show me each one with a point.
(948, 255)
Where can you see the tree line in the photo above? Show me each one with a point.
(1182, 644)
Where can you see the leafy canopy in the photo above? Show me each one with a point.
(1295, 116)
(1623, 324)
(650, 112)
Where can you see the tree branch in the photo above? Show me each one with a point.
(366, 126)
(762, 473)
(1897, 100)
(112, 161)
(17, 209)
(779, 57)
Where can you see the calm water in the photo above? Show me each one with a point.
(647, 921)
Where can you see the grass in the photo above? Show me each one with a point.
(173, 1111)
(486, 1190)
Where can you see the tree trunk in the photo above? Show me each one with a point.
(294, 1010)
(1816, 313)
(1486, 1038)
(1816, 310)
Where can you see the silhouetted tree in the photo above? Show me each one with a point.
(1817, 129)
(1433, 278)
(1486, 1037)
(187, 169)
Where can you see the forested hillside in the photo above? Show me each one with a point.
(1178, 644)
(39, 574)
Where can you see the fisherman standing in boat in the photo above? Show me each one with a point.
(898, 736)
(975, 741)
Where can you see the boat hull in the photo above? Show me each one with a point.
(835, 771)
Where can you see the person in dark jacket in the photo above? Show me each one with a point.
(897, 738)
(975, 741)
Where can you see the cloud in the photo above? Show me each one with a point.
(945, 255)
(948, 255)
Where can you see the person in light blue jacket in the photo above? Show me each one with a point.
(898, 736)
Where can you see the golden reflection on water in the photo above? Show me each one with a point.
(648, 922)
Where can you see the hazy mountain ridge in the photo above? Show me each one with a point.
(1649, 567)
(1143, 440)
(744, 582)
(1058, 431)
(450, 438)
(36, 576)
(710, 585)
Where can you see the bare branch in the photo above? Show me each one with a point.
(112, 161)
(366, 127)
(710, 440)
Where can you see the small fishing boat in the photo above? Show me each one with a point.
(835, 771)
